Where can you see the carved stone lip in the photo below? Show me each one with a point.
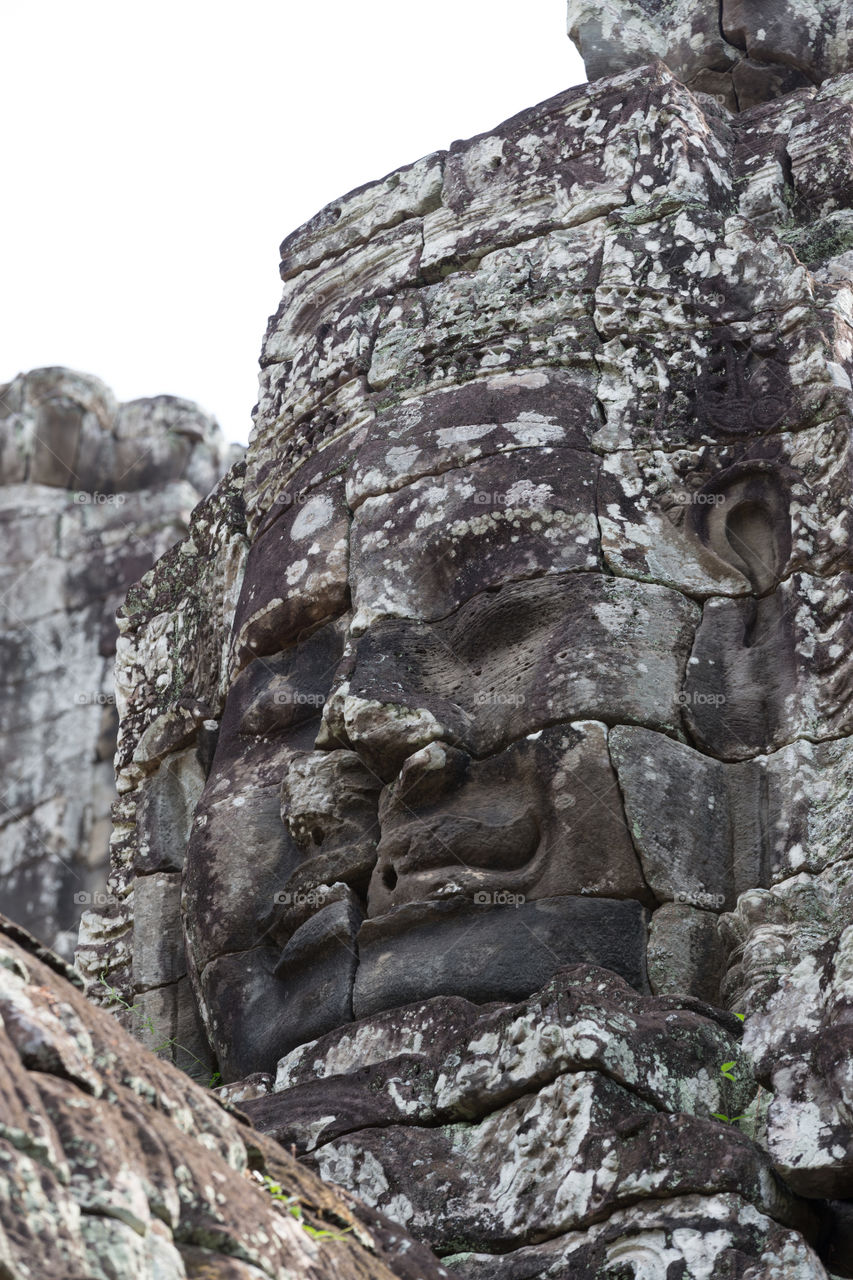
(495, 950)
(460, 843)
(398, 920)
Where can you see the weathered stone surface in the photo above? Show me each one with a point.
(298, 570)
(424, 550)
(114, 1164)
(695, 534)
(158, 957)
(768, 671)
(649, 1238)
(318, 966)
(685, 954)
(493, 1112)
(358, 216)
(510, 663)
(622, 689)
(454, 427)
(573, 1152)
(420, 342)
(167, 810)
(742, 50)
(66, 430)
(471, 1058)
(695, 822)
(524, 824)
(706, 831)
(171, 670)
(789, 967)
(91, 494)
(167, 1021)
(244, 1007)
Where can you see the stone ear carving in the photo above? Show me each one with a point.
(749, 524)
(742, 674)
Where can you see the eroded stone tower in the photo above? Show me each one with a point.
(485, 750)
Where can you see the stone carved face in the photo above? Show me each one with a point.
(541, 632)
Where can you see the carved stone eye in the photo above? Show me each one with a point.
(281, 705)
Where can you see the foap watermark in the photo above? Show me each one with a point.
(696, 698)
(522, 496)
(484, 498)
(500, 898)
(498, 698)
(313, 898)
(697, 498)
(95, 699)
(97, 899)
(294, 698)
(97, 499)
(700, 898)
(300, 499)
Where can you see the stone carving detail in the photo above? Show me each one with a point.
(521, 643)
(91, 494)
(740, 393)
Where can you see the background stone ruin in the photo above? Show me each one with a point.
(93, 492)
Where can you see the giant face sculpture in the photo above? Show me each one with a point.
(540, 648)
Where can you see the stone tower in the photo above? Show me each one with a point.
(92, 492)
(486, 749)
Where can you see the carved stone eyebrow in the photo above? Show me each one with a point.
(742, 51)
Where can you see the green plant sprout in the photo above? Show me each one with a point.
(726, 1070)
(291, 1203)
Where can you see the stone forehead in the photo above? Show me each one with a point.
(501, 232)
(555, 248)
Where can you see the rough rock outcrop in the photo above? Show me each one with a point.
(522, 642)
(576, 1128)
(91, 494)
(113, 1164)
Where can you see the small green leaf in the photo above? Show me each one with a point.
(742, 1016)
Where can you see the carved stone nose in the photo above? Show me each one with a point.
(428, 773)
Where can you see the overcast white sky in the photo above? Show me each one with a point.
(156, 154)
